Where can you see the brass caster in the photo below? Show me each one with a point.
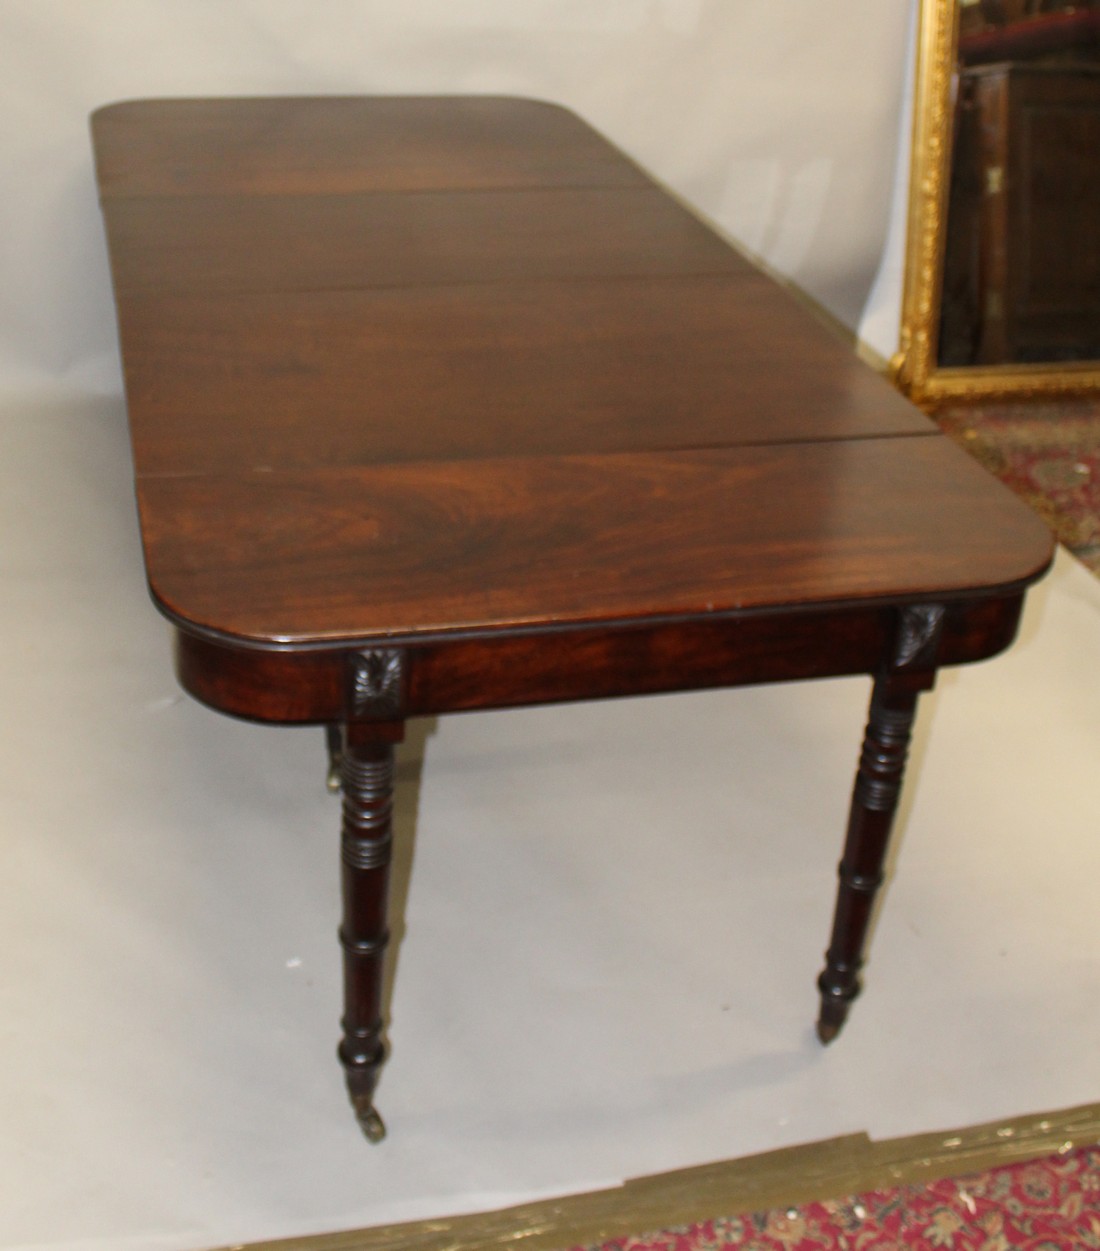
(372, 1125)
(334, 742)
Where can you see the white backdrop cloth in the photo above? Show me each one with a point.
(778, 119)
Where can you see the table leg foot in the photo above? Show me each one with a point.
(372, 1125)
(367, 785)
(362, 1054)
(831, 1021)
(874, 805)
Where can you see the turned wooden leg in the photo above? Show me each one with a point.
(367, 783)
(909, 671)
(874, 803)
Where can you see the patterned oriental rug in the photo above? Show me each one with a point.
(1048, 452)
(1039, 1205)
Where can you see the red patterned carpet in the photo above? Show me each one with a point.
(1041, 1205)
(1049, 453)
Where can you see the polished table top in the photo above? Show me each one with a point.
(442, 404)
(416, 366)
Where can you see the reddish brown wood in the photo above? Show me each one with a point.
(339, 145)
(435, 546)
(1022, 271)
(871, 819)
(909, 670)
(442, 405)
(982, 41)
(457, 673)
(346, 242)
(228, 382)
(366, 846)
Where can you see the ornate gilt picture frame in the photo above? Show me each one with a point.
(916, 366)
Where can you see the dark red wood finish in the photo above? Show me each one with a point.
(1022, 266)
(442, 404)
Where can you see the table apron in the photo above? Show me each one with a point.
(390, 680)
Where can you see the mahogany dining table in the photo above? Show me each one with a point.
(441, 403)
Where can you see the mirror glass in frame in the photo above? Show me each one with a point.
(1002, 283)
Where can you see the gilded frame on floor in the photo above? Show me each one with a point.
(916, 368)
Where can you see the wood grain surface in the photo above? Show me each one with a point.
(442, 405)
(410, 366)
(429, 546)
(339, 144)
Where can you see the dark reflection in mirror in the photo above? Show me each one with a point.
(1021, 279)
